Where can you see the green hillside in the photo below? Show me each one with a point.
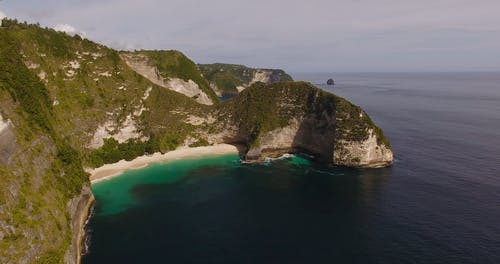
(172, 63)
(226, 77)
(279, 103)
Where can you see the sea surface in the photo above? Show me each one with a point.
(438, 203)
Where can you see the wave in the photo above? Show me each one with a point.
(282, 157)
(87, 233)
(326, 172)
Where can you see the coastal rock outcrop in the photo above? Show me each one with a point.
(368, 153)
(296, 117)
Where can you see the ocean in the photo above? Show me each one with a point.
(438, 203)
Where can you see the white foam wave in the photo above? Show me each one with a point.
(284, 156)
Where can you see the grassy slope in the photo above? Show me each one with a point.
(174, 64)
(104, 88)
(281, 102)
(228, 76)
(46, 171)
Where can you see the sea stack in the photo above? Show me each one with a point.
(330, 82)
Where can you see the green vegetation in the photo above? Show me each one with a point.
(229, 76)
(256, 111)
(226, 82)
(263, 108)
(22, 85)
(49, 171)
(353, 123)
(200, 143)
(172, 63)
(27, 89)
(112, 151)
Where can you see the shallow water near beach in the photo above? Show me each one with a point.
(439, 203)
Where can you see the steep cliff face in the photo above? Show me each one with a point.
(162, 68)
(228, 80)
(79, 208)
(8, 144)
(299, 118)
(39, 170)
(368, 153)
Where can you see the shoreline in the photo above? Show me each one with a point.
(109, 171)
(80, 208)
(81, 234)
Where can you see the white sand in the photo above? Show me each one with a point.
(111, 170)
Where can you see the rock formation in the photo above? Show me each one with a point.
(8, 144)
(145, 66)
(296, 117)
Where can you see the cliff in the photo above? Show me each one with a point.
(67, 103)
(171, 70)
(296, 117)
(39, 170)
(228, 80)
(79, 209)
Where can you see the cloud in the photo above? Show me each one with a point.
(65, 28)
(2, 15)
(69, 29)
(315, 35)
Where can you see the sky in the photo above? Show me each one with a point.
(298, 36)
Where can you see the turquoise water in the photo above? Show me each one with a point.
(214, 209)
(115, 195)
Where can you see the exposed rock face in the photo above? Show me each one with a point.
(8, 144)
(275, 143)
(329, 128)
(140, 64)
(368, 153)
(311, 135)
(190, 89)
(79, 210)
(317, 137)
(121, 133)
(263, 76)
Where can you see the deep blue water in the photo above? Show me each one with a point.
(438, 203)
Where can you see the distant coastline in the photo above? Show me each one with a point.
(109, 171)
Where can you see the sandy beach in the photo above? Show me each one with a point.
(111, 170)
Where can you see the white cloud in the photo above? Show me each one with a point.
(65, 28)
(322, 35)
(68, 29)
